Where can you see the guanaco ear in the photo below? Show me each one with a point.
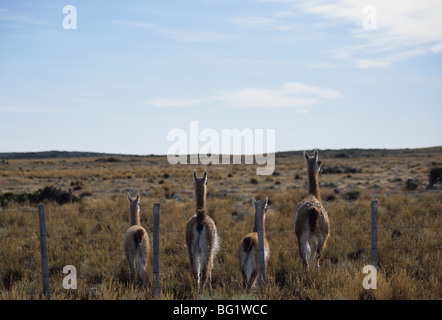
(306, 156)
(128, 197)
(253, 201)
(316, 155)
(205, 176)
(265, 202)
(138, 197)
(194, 175)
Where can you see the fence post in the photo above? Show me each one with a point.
(260, 229)
(43, 251)
(156, 250)
(374, 233)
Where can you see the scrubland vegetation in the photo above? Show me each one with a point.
(87, 214)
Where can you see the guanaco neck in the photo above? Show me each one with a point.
(313, 184)
(255, 225)
(200, 195)
(134, 216)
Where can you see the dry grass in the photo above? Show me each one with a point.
(88, 234)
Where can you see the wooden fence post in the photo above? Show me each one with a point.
(44, 251)
(260, 229)
(156, 250)
(374, 233)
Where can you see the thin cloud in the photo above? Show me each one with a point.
(290, 95)
(251, 21)
(404, 29)
(9, 18)
(19, 109)
(266, 98)
(437, 48)
(179, 35)
(367, 63)
(173, 102)
(401, 25)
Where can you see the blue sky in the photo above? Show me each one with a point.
(134, 70)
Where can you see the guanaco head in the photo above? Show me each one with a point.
(313, 163)
(134, 204)
(200, 189)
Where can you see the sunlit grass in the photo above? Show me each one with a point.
(88, 234)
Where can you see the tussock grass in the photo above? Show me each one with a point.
(88, 234)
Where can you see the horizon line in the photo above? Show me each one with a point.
(188, 155)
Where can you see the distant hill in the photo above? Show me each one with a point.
(329, 153)
(51, 154)
(354, 153)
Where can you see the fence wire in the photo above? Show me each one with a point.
(54, 235)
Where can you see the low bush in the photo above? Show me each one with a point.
(48, 193)
(435, 176)
(411, 184)
(339, 170)
(351, 195)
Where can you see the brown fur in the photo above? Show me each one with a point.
(248, 253)
(138, 236)
(201, 236)
(200, 215)
(136, 243)
(313, 214)
(311, 219)
(313, 185)
(310, 205)
(248, 243)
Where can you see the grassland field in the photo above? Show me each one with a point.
(88, 232)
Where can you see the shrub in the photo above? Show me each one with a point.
(6, 198)
(53, 194)
(45, 194)
(342, 156)
(351, 195)
(85, 194)
(339, 170)
(435, 176)
(411, 184)
(110, 159)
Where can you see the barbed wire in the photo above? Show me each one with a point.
(361, 251)
(166, 250)
(268, 231)
(191, 206)
(224, 233)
